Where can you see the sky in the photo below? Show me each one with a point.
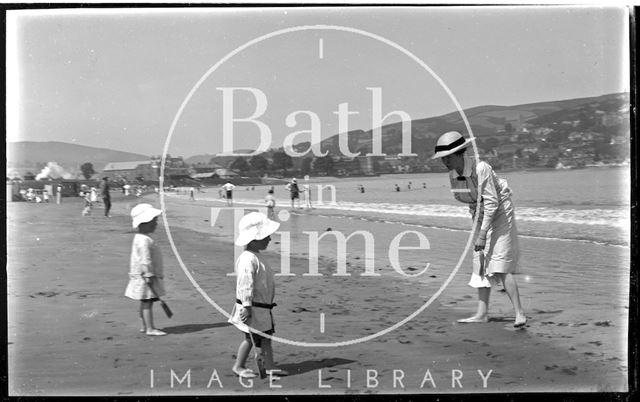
(126, 79)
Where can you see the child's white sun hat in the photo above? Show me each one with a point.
(255, 226)
(143, 213)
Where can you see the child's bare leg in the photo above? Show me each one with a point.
(143, 325)
(267, 354)
(483, 307)
(241, 358)
(269, 364)
(146, 314)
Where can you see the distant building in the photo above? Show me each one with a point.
(131, 171)
(368, 163)
(209, 168)
(618, 139)
(223, 174)
(143, 170)
(611, 119)
(507, 150)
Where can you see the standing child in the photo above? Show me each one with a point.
(93, 195)
(255, 291)
(228, 191)
(145, 271)
(271, 205)
(306, 190)
(87, 203)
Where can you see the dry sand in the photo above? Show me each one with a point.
(71, 331)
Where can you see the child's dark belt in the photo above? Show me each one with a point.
(256, 304)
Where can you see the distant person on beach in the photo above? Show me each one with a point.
(255, 293)
(145, 269)
(409, 186)
(106, 195)
(93, 195)
(294, 192)
(271, 205)
(495, 255)
(58, 194)
(397, 188)
(306, 190)
(192, 194)
(87, 203)
(45, 195)
(228, 192)
(424, 185)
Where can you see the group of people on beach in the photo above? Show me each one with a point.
(495, 255)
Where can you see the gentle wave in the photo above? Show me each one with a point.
(596, 225)
(616, 218)
(584, 239)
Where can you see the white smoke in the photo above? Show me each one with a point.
(53, 171)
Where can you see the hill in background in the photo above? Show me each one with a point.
(35, 155)
(561, 118)
(485, 121)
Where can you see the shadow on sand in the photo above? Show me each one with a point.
(188, 328)
(312, 365)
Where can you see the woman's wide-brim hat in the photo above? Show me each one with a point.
(449, 143)
(255, 226)
(143, 213)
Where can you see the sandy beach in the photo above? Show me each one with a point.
(71, 330)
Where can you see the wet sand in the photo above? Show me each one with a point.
(71, 331)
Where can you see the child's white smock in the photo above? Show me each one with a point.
(497, 219)
(255, 283)
(146, 262)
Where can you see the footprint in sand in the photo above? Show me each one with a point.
(46, 294)
(603, 324)
(597, 343)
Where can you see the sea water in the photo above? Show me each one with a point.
(591, 205)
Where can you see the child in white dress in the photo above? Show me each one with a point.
(255, 292)
(271, 205)
(145, 271)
